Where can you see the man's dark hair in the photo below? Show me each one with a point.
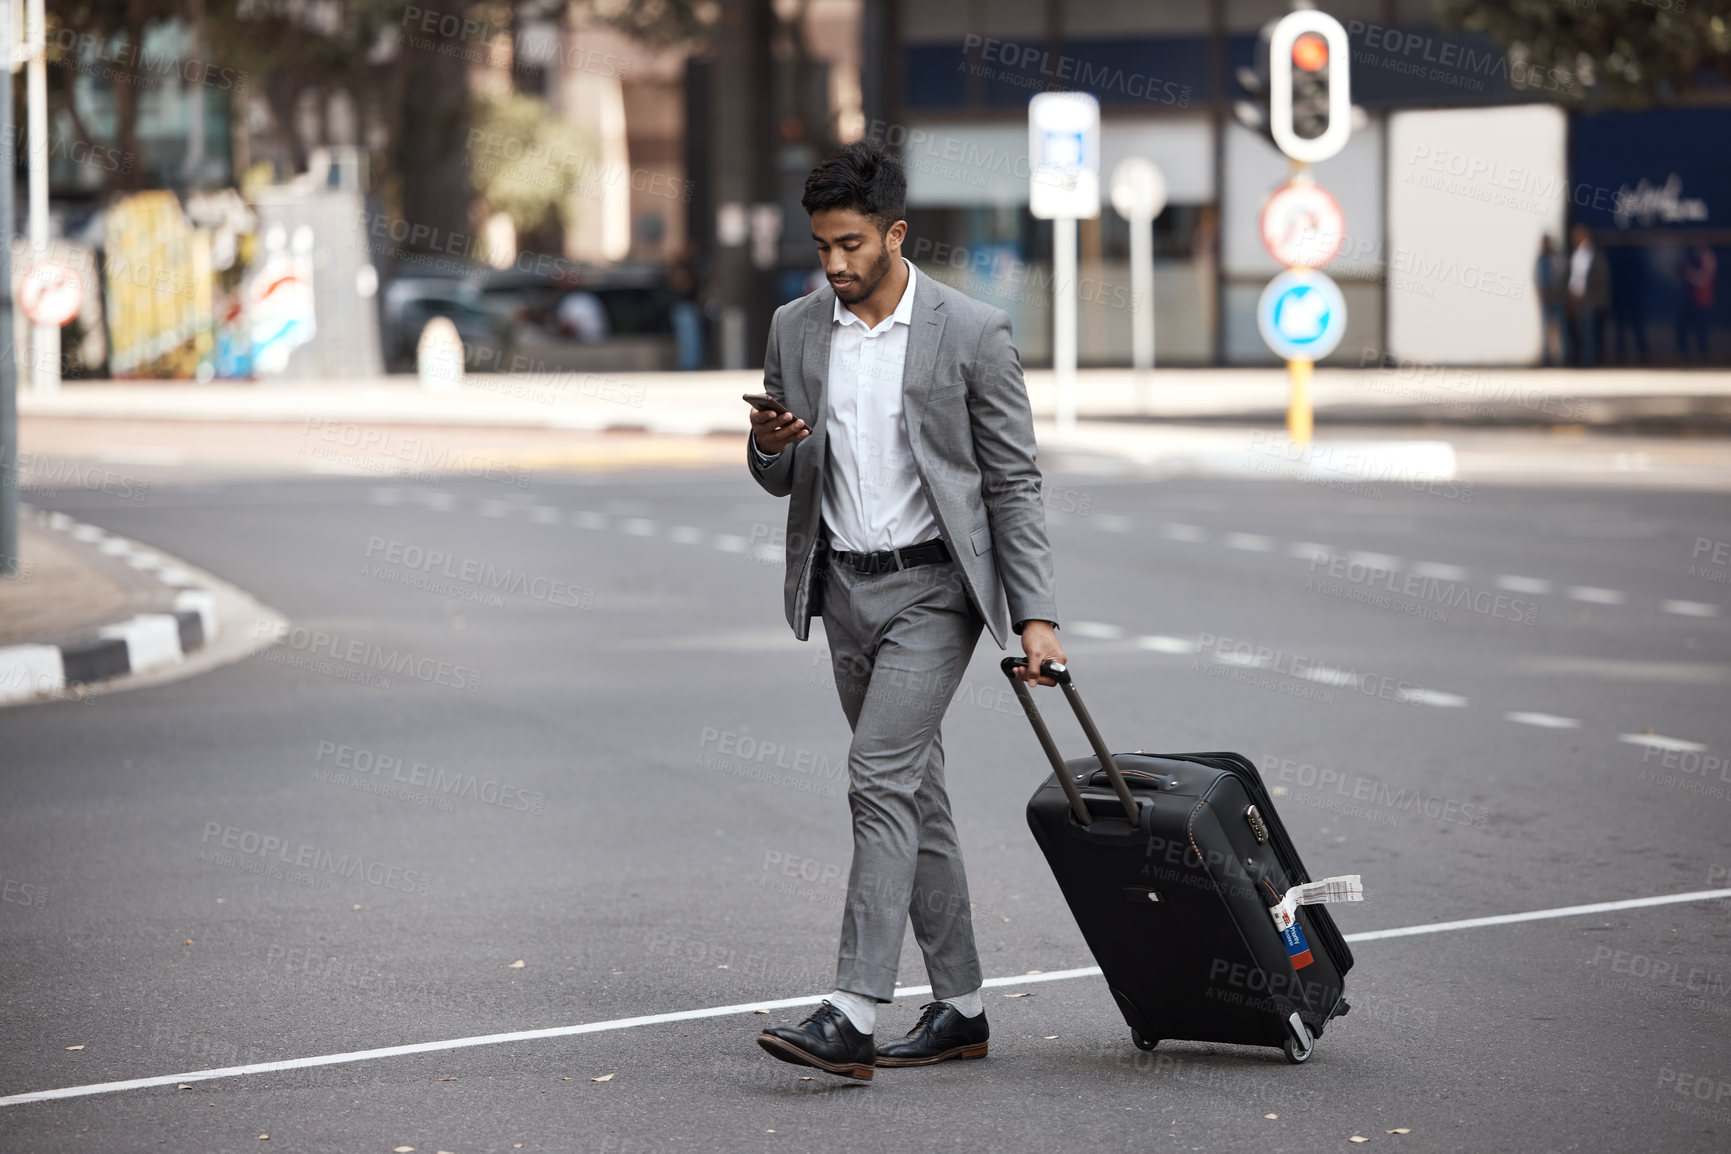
(863, 176)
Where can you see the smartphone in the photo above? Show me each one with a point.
(764, 402)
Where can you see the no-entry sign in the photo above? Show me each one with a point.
(51, 294)
(1302, 225)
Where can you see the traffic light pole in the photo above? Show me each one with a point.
(1064, 319)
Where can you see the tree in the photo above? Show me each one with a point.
(1614, 52)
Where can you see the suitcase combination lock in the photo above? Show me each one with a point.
(1257, 825)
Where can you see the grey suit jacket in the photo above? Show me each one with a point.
(972, 436)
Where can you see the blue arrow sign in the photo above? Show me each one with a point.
(1302, 315)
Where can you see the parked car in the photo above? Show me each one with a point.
(489, 334)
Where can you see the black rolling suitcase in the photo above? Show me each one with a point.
(1175, 867)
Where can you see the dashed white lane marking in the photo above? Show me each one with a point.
(785, 1003)
(1595, 595)
(1175, 531)
(1657, 741)
(1516, 584)
(1374, 560)
(1435, 697)
(639, 527)
(1096, 629)
(1112, 522)
(685, 535)
(1689, 608)
(730, 543)
(544, 514)
(586, 520)
(1543, 720)
(1336, 677)
(1249, 542)
(1309, 551)
(1234, 657)
(490, 507)
(1162, 644)
(1440, 570)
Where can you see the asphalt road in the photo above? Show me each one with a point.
(613, 791)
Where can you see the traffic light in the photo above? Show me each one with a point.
(1309, 97)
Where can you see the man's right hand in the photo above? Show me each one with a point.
(773, 432)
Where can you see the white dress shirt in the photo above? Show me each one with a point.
(872, 496)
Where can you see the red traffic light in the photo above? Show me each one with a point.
(1310, 52)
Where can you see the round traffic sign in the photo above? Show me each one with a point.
(1138, 189)
(1302, 226)
(50, 294)
(1302, 315)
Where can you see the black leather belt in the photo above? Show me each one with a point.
(925, 553)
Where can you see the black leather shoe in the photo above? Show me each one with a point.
(941, 1034)
(826, 1041)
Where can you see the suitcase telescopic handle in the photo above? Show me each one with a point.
(1061, 674)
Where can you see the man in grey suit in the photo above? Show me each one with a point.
(915, 521)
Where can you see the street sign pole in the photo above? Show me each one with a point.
(8, 358)
(1064, 187)
(44, 339)
(1299, 419)
(1064, 319)
(1139, 195)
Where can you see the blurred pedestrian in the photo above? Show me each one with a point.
(687, 315)
(1694, 313)
(1629, 304)
(1549, 277)
(914, 522)
(1589, 297)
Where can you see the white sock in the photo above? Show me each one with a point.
(861, 1011)
(968, 1005)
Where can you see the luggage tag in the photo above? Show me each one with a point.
(1345, 888)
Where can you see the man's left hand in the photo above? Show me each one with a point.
(1040, 643)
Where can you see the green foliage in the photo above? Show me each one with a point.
(1612, 51)
(528, 163)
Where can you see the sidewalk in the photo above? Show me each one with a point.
(700, 403)
(92, 609)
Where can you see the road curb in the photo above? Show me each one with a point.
(118, 654)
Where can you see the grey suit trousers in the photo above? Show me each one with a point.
(899, 644)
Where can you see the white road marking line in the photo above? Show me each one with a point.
(1098, 630)
(1656, 741)
(769, 554)
(1434, 697)
(1439, 570)
(1327, 676)
(1161, 644)
(1596, 595)
(1174, 531)
(784, 1003)
(1233, 657)
(1112, 522)
(1542, 720)
(1689, 608)
(439, 502)
(1516, 584)
(385, 497)
(685, 535)
(1249, 542)
(1374, 560)
(544, 514)
(495, 508)
(587, 520)
(1309, 551)
(730, 543)
(1530, 916)
(638, 527)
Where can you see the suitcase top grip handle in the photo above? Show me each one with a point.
(1061, 674)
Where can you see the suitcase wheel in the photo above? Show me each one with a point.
(1299, 1044)
(1293, 1054)
(1144, 1043)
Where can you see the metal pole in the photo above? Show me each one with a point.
(44, 339)
(1064, 319)
(1142, 321)
(1299, 421)
(8, 359)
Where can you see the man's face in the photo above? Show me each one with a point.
(855, 255)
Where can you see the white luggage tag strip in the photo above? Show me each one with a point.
(1345, 888)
